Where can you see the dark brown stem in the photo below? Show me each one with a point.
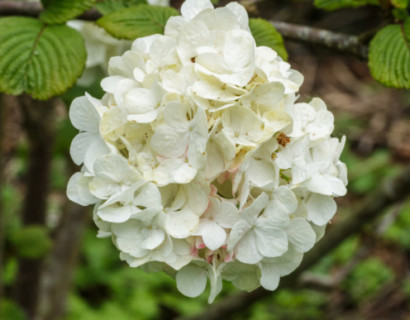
(39, 122)
(338, 41)
(34, 10)
(2, 123)
(392, 191)
(59, 267)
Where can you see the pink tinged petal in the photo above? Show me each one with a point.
(180, 224)
(116, 214)
(214, 236)
(327, 185)
(270, 241)
(191, 280)
(247, 250)
(78, 190)
(320, 209)
(269, 276)
(84, 115)
(153, 239)
(301, 235)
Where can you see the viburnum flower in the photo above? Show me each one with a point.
(199, 159)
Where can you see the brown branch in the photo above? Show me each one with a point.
(39, 122)
(2, 123)
(28, 9)
(392, 191)
(338, 41)
(59, 267)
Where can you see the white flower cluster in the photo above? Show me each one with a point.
(199, 160)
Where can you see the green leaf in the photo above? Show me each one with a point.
(401, 4)
(389, 56)
(338, 4)
(135, 22)
(60, 11)
(265, 34)
(109, 6)
(41, 60)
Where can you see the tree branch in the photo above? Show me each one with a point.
(338, 41)
(39, 123)
(392, 191)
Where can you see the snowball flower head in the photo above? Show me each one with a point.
(200, 161)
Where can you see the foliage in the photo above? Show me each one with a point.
(134, 22)
(389, 55)
(109, 6)
(41, 60)
(60, 11)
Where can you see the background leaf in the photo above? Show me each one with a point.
(338, 4)
(41, 60)
(108, 6)
(265, 34)
(60, 11)
(401, 4)
(389, 56)
(135, 22)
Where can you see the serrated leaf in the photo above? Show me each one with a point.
(389, 56)
(338, 4)
(109, 6)
(38, 59)
(265, 34)
(135, 22)
(60, 11)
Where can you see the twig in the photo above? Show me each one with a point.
(337, 41)
(28, 9)
(59, 267)
(392, 191)
(2, 122)
(39, 121)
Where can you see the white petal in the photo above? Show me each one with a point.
(271, 242)
(115, 214)
(80, 145)
(180, 224)
(78, 190)
(191, 280)
(84, 115)
(269, 276)
(214, 236)
(191, 8)
(327, 185)
(247, 250)
(321, 209)
(301, 235)
(153, 239)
